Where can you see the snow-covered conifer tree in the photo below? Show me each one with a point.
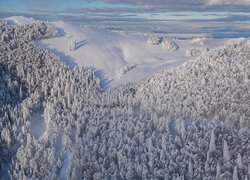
(190, 169)
(218, 172)
(226, 153)
(235, 173)
(212, 146)
(72, 44)
(239, 161)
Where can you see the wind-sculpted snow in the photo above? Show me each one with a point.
(190, 122)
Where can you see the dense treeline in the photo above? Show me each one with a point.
(26, 32)
(191, 122)
(213, 87)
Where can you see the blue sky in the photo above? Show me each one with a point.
(57, 5)
(124, 6)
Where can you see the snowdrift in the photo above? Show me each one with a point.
(189, 122)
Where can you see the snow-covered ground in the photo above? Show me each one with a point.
(20, 20)
(37, 125)
(109, 51)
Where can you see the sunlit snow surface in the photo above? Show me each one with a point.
(37, 125)
(110, 51)
(110, 45)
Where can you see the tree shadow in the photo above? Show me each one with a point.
(60, 31)
(81, 43)
(67, 59)
(100, 74)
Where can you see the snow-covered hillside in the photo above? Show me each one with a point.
(56, 122)
(109, 52)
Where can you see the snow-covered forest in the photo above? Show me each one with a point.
(188, 122)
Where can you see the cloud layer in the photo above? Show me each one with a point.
(179, 2)
(184, 5)
(228, 2)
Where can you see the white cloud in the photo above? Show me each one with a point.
(185, 5)
(227, 2)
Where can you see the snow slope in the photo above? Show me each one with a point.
(20, 20)
(109, 51)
